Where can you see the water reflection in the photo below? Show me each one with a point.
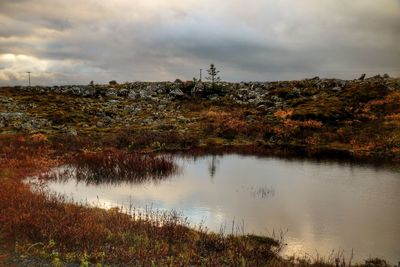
(212, 167)
(114, 167)
(324, 206)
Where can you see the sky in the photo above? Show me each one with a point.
(75, 41)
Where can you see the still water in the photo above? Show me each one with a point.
(319, 206)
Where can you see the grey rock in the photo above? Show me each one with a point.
(177, 93)
(198, 89)
(88, 91)
(275, 98)
(253, 94)
(256, 101)
(123, 92)
(244, 91)
(71, 131)
(161, 89)
(337, 89)
(213, 97)
(76, 90)
(362, 77)
(132, 95)
(11, 115)
(100, 124)
(111, 93)
(261, 107)
(296, 91)
(27, 126)
(144, 93)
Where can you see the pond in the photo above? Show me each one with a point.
(319, 206)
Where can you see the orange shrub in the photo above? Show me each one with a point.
(393, 117)
(283, 114)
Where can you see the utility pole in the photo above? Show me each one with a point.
(200, 75)
(29, 77)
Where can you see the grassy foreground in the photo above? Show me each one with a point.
(49, 228)
(39, 229)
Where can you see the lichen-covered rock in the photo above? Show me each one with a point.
(177, 93)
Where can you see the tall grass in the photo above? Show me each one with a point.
(115, 166)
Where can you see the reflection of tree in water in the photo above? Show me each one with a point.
(212, 166)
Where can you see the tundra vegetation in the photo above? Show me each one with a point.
(119, 131)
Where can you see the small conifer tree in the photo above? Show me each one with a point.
(213, 75)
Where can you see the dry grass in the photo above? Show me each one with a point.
(47, 227)
(115, 166)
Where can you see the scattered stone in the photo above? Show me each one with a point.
(88, 91)
(144, 94)
(71, 131)
(123, 92)
(213, 97)
(111, 93)
(11, 115)
(198, 89)
(177, 93)
(27, 126)
(132, 95)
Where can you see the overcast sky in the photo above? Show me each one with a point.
(75, 41)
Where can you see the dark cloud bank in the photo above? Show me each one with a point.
(78, 41)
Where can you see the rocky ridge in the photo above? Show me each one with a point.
(351, 114)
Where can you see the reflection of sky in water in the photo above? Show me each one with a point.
(324, 206)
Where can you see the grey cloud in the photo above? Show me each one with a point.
(265, 40)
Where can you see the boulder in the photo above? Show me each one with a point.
(132, 95)
(71, 131)
(111, 93)
(88, 91)
(100, 124)
(11, 116)
(177, 93)
(123, 92)
(198, 89)
(213, 97)
(144, 93)
(26, 126)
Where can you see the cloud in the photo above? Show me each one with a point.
(78, 41)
